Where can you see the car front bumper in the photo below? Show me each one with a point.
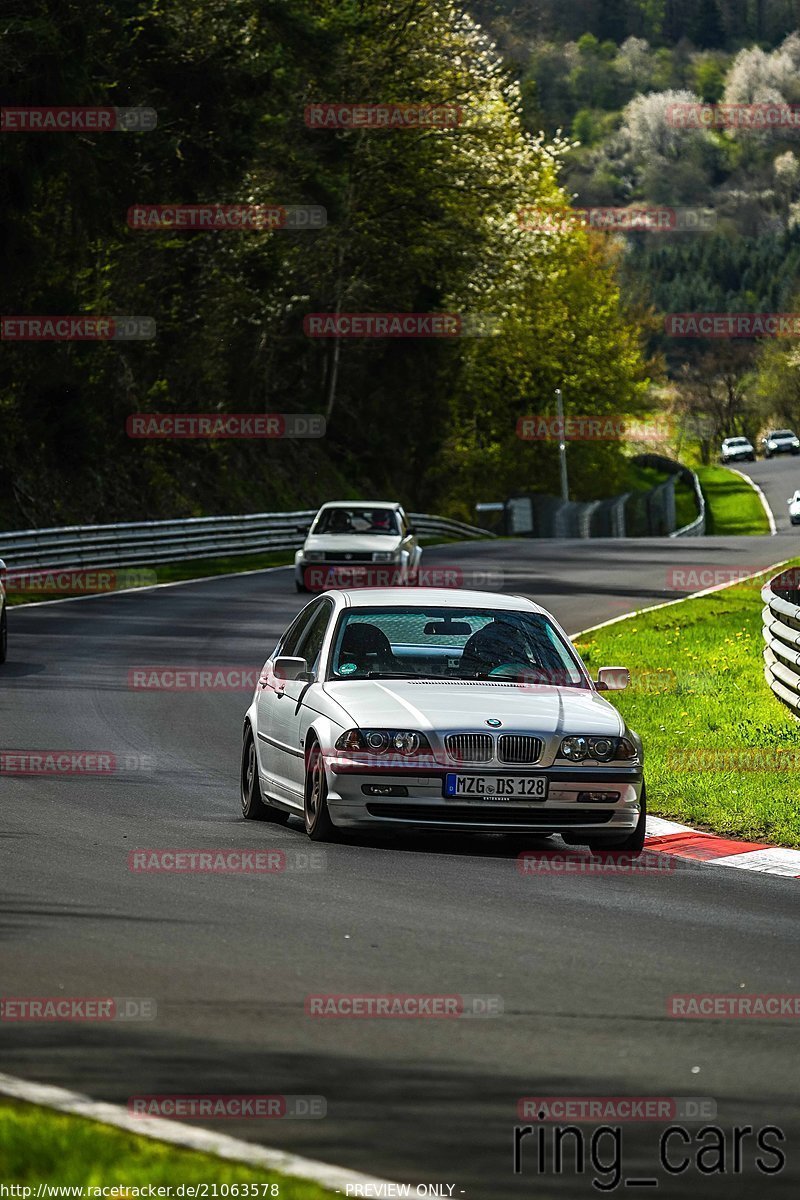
(613, 807)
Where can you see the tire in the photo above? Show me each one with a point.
(253, 806)
(751, 458)
(300, 587)
(633, 842)
(4, 635)
(319, 826)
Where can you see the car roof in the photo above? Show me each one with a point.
(425, 597)
(362, 504)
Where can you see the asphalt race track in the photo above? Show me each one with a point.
(584, 966)
(778, 479)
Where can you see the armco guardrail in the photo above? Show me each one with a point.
(136, 543)
(781, 631)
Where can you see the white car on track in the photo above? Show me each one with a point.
(3, 614)
(364, 543)
(437, 709)
(780, 441)
(737, 449)
(794, 508)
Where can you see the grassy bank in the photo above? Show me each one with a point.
(38, 1145)
(732, 505)
(721, 752)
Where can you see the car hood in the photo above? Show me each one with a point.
(352, 543)
(465, 706)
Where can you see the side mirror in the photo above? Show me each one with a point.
(286, 668)
(613, 679)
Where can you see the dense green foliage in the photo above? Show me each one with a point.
(419, 220)
(608, 74)
(712, 23)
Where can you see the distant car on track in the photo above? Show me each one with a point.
(364, 542)
(780, 441)
(3, 614)
(794, 508)
(437, 709)
(737, 449)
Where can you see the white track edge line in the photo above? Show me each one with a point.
(148, 587)
(718, 587)
(764, 502)
(160, 1129)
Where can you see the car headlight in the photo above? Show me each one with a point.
(384, 556)
(407, 742)
(599, 749)
(312, 556)
(771, 445)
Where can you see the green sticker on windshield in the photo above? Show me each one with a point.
(347, 668)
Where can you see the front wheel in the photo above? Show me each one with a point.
(319, 826)
(253, 806)
(632, 842)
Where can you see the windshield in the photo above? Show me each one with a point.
(737, 441)
(356, 520)
(445, 643)
(782, 433)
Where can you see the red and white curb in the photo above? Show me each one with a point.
(680, 841)
(336, 1179)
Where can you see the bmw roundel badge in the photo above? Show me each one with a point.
(493, 721)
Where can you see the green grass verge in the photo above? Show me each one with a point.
(714, 735)
(38, 1145)
(732, 505)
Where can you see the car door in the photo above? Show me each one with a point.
(267, 695)
(290, 717)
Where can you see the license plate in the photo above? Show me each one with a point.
(497, 787)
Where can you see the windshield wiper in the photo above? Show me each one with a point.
(399, 675)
